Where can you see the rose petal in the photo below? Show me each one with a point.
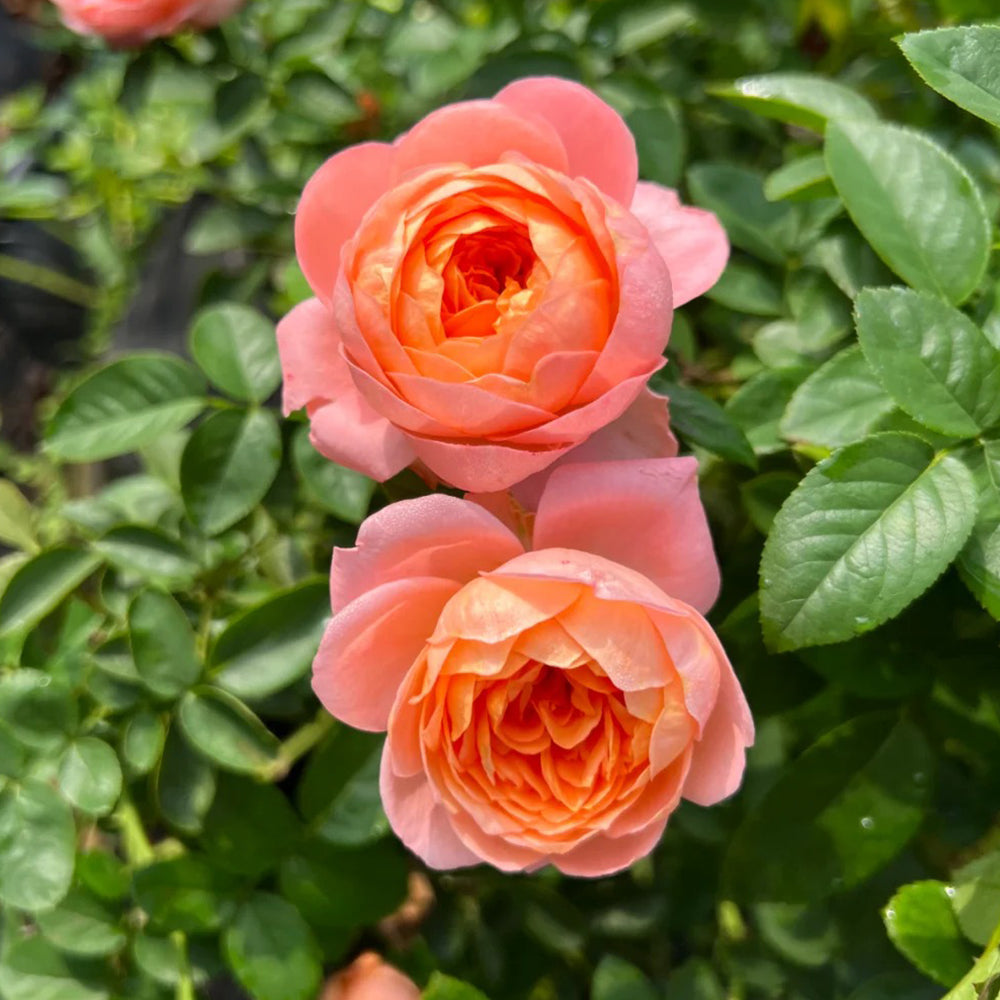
(691, 241)
(603, 855)
(596, 507)
(311, 363)
(598, 143)
(369, 646)
(436, 535)
(332, 206)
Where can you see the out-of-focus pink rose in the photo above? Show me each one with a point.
(549, 686)
(132, 22)
(369, 978)
(491, 288)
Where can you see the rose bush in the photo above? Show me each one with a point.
(547, 699)
(369, 978)
(491, 288)
(132, 22)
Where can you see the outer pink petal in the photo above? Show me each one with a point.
(437, 535)
(419, 819)
(370, 645)
(602, 855)
(214, 12)
(598, 143)
(720, 756)
(478, 133)
(642, 431)
(332, 206)
(348, 431)
(311, 364)
(690, 240)
(596, 508)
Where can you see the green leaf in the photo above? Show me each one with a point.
(81, 925)
(960, 63)
(342, 888)
(979, 562)
(273, 644)
(32, 969)
(103, 874)
(184, 894)
(185, 784)
(272, 951)
(757, 407)
(37, 711)
(660, 142)
(805, 934)
(224, 730)
(803, 179)
(235, 346)
(39, 586)
(143, 741)
(934, 360)
(975, 897)
(736, 195)
(249, 827)
(866, 532)
(150, 554)
(355, 816)
(744, 287)
(37, 846)
(442, 987)
(16, 518)
(885, 175)
(343, 492)
(228, 466)
(616, 979)
(921, 924)
(796, 99)
(702, 422)
(90, 776)
(763, 496)
(163, 644)
(838, 404)
(835, 815)
(125, 405)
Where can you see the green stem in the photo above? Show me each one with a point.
(38, 276)
(138, 850)
(185, 984)
(297, 745)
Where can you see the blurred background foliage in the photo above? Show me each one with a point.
(178, 819)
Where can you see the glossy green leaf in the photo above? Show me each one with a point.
(184, 894)
(915, 204)
(228, 466)
(616, 979)
(125, 405)
(975, 897)
(800, 180)
(838, 404)
(16, 518)
(797, 99)
(835, 815)
(39, 585)
(660, 142)
(702, 422)
(82, 925)
(343, 492)
(273, 644)
(979, 561)
(745, 287)
(763, 496)
(185, 783)
(843, 556)
(803, 933)
(961, 64)
(37, 711)
(921, 924)
(37, 846)
(272, 951)
(148, 553)
(163, 644)
(235, 346)
(90, 776)
(142, 742)
(355, 815)
(225, 731)
(933, 360)
(31, 969)
(757, 407)
(442, 987)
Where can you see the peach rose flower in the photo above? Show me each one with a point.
(491, 288)
(369, 978)
(550, 697)
(132, 22)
